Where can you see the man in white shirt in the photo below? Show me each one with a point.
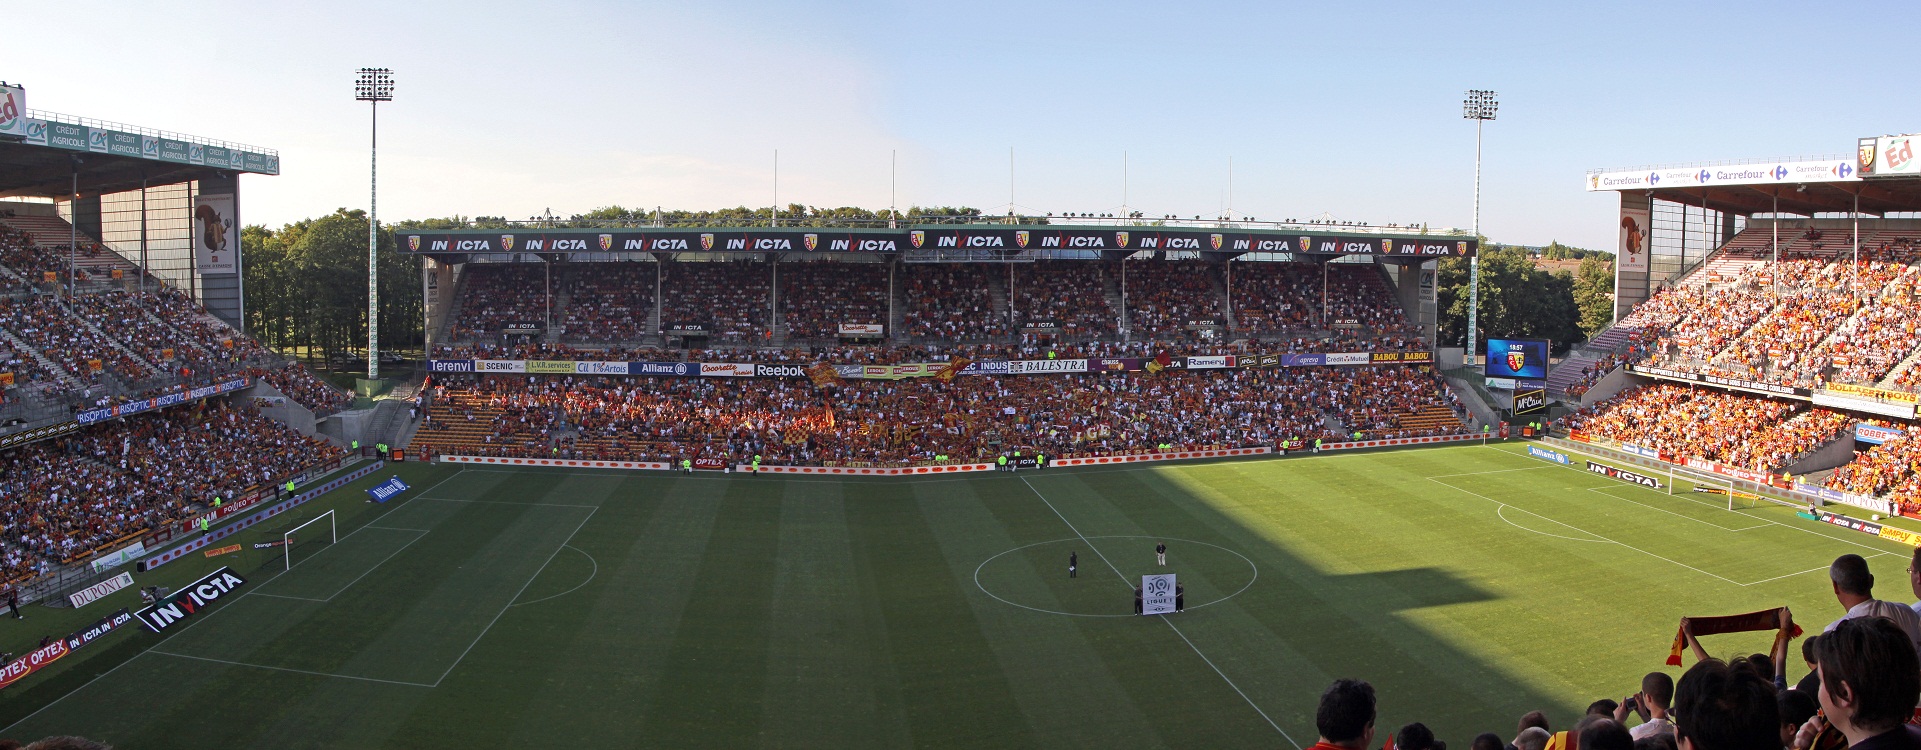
(1914, 579)
(1854, 589)
(1657, 693)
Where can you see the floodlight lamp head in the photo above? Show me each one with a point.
(374, 85)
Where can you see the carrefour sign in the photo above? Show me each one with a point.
(1785, 173)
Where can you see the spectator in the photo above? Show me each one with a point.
(1870, 685)
(1345, 717)
(1417, 736)
(1796, 707)
(1725, 706)
(1487, 741)
(1606, 734)
(1532, 738)
(1854, 589)
(1657, 692)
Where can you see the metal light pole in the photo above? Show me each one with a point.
(1479, 106)
(375, 85)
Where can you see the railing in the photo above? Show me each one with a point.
(41, 114)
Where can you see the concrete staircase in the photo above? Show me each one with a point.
(997, 291)
(1219, 284)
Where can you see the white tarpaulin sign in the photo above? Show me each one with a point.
(216, 234)
(1157, 594)
(13, 111)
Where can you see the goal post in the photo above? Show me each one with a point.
(309, 539)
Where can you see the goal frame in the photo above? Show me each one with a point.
(286, 537)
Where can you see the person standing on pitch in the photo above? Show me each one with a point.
(1160, 553)
(1073, 564)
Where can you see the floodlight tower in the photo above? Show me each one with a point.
(375, 85)
(1479, 106)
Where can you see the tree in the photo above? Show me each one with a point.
(307, 286)
(1594, 293)
(1516, 300)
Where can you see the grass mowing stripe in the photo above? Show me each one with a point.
(600, 652)
(1169, 622)
(1054, 665)
(934, 640)
(712, 683)
(824, 682)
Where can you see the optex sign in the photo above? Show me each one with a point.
(184, 603)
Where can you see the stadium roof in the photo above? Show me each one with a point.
(112, 157)
(1803, 186)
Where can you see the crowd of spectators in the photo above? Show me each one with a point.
(1163, 297)
(1592, 373)
(1274, 298)
(728, 299)
(951, 302)
(1073, 294)
(297, 382)
(817, 297)
(43, 324)
(969, 418)
(497, 294)
(1754, 432)
(609, 302)
(68, 497)
(1880, 468)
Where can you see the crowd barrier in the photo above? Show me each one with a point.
(1164, 456)
(157, 560)
(572, 463)
(866, 471)
(1393, 442)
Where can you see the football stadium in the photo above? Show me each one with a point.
(798, 477)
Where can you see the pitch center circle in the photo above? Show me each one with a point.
(1045, 587)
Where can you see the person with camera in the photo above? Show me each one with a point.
(1651, 704)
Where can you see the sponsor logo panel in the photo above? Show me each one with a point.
(1624, 475)
(93, 593)
(182, 604)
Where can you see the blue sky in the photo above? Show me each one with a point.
(1350, 110)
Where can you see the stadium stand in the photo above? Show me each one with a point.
(1164, 296)
(1751, 432)
(497, 294)
(1274, 298)
(728, 299)
(609, 302)
(1072, 293)
(817, 297)
(896, 422)
(953, 302)
(64, 500)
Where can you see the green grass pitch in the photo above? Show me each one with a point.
(552, 608)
